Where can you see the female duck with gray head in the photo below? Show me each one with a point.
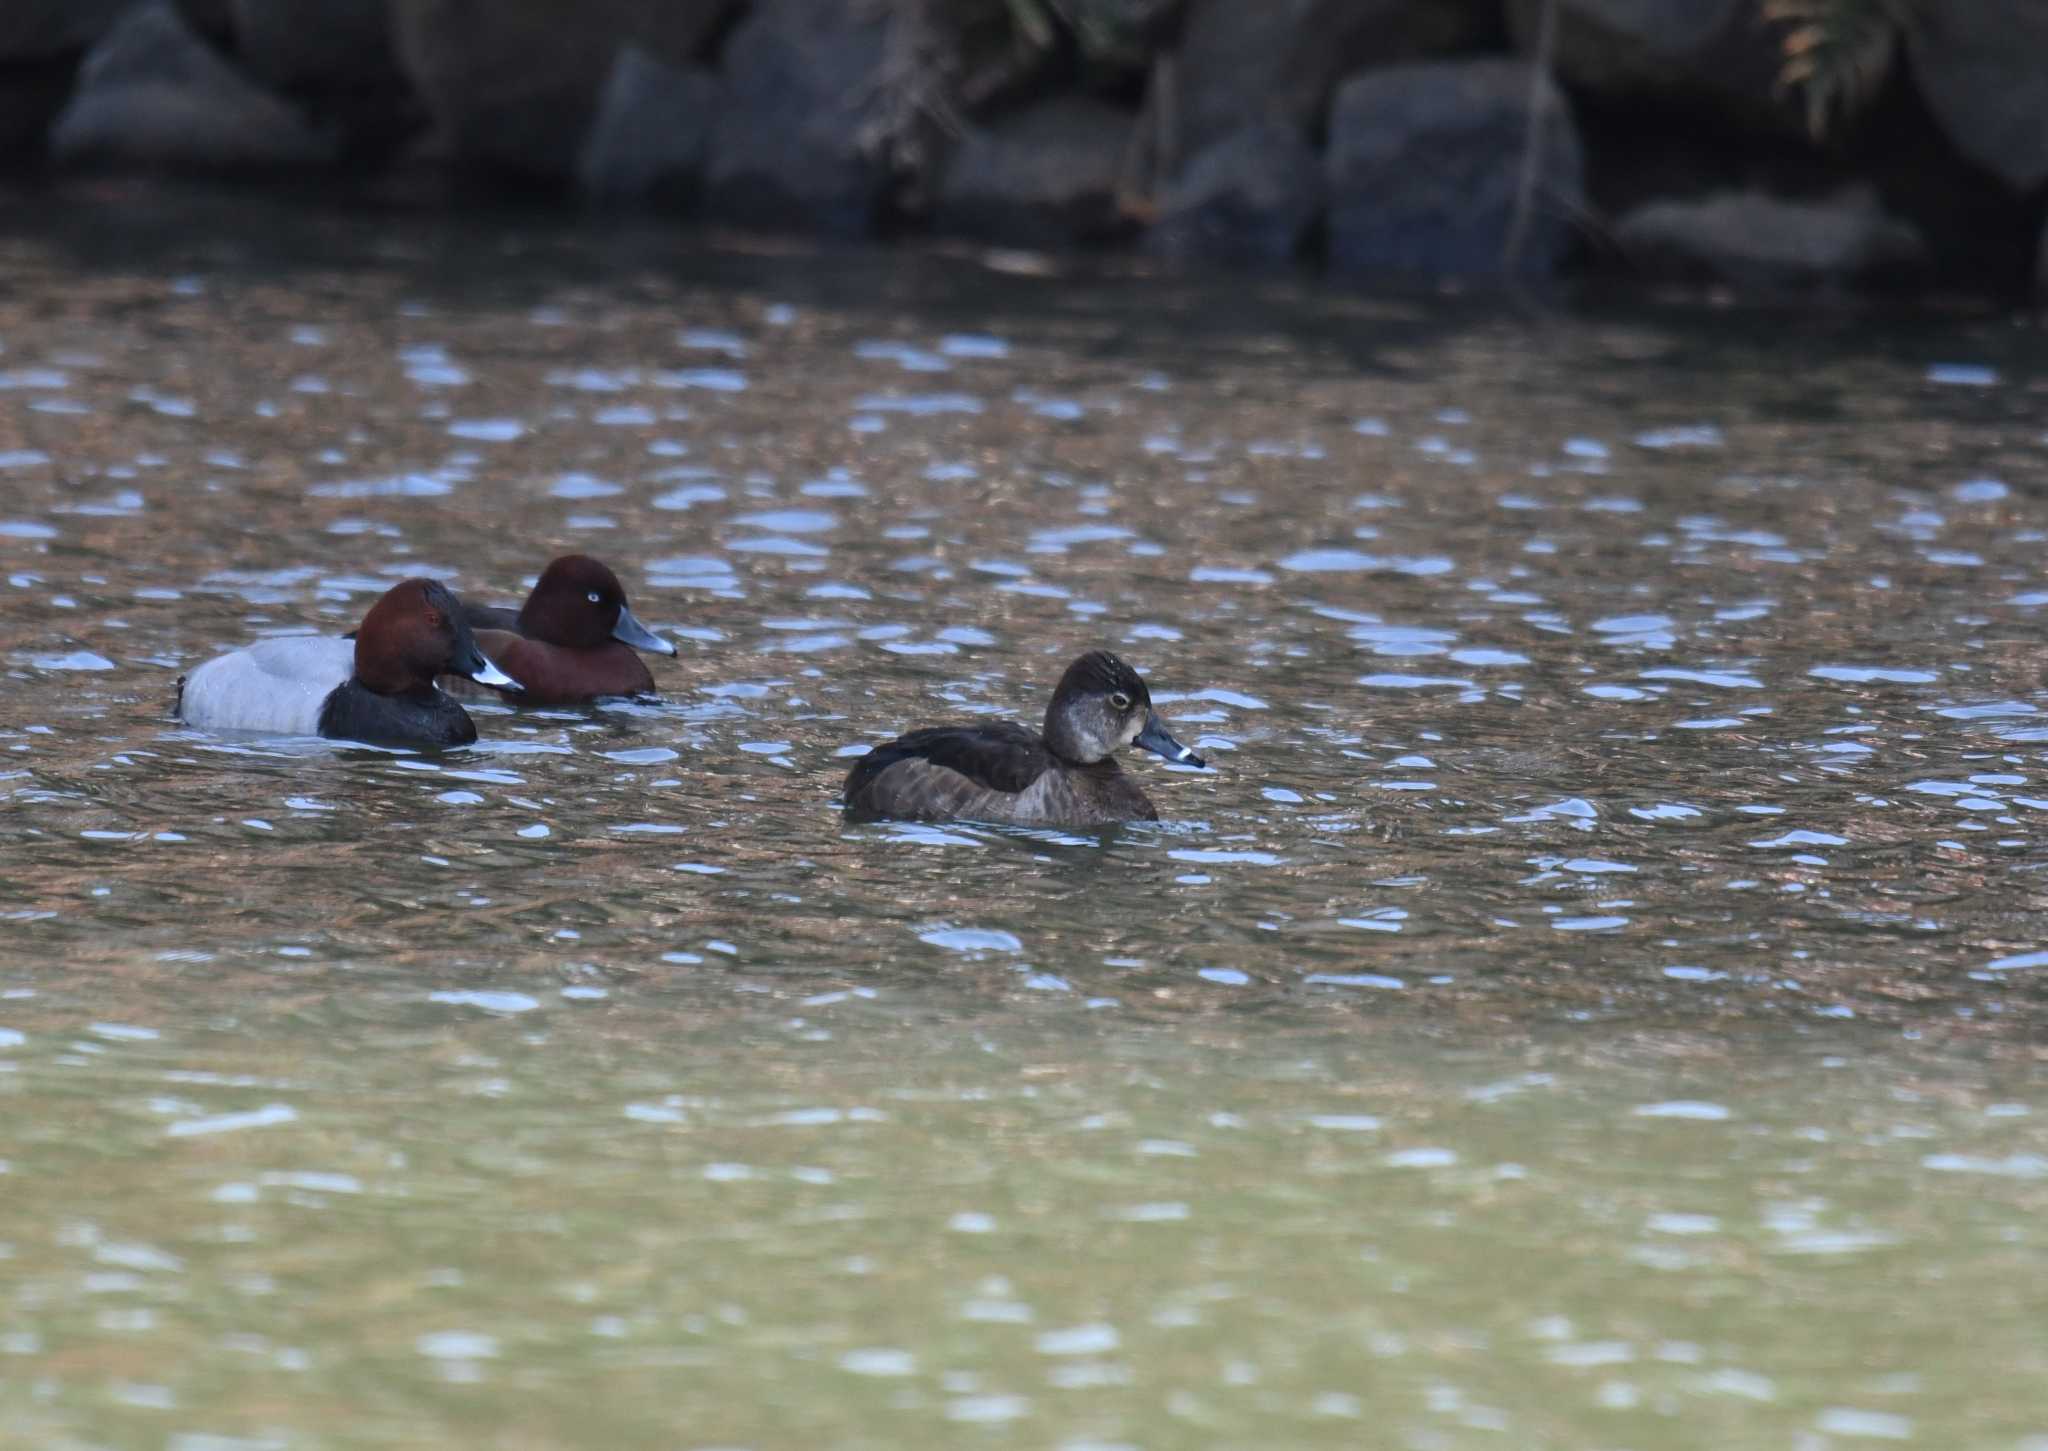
(1010, 773)
(377, 687)
(573, 640)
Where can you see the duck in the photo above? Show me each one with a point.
(377, 687)
(1066, 775)
(573, 640)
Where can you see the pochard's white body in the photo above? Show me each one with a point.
(277, 687)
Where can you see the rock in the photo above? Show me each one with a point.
(1978, 65)
(334, 57)
(312, 43)
(651, 134)
(43, 29)
(788, 148)
(513, 84)
(152, 94)
(316, 45)
(213, 21)
(1047, 176)
(1714, 54)
(1425, 165)
(1756, 240)
(1249, 198)
(1280, 60)
(40, 45)
(31, 95)
(1115, 36)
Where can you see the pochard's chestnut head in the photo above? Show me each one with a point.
(415, 632)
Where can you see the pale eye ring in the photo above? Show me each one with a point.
(594, 597)
(1120, 701)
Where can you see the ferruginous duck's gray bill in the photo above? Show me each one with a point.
(1155, 738)
(638, 635)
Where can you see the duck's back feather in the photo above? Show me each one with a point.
(996, 772)
(1001, 756)
(491, 617)
(278, 687)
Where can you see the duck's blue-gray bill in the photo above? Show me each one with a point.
(638, 635)
(1156, 739)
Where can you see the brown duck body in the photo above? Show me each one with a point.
(557, 675)
(1001, 773)
(1067, 776)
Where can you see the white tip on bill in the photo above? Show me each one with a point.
(492, 675)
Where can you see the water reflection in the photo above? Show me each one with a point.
(1007, 1226)
(1590, 1001)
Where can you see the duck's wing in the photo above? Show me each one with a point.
(491, 617)
(945, 771)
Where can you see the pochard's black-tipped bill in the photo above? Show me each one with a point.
(638, 635)
(478, 667)
(1156, 739)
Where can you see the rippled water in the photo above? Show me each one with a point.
(1595, 998)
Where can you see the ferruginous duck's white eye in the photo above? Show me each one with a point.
(1120, 701)
(594, 598)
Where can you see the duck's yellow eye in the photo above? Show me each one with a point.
(1120, 701)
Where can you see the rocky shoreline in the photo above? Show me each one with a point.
(1733, 142)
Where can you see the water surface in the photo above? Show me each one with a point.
(1595, 998)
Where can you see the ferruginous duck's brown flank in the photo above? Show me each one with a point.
(573, 640)
(1065, 776)
(378, 687)
(554, 675)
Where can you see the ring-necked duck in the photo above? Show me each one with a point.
(573, 640)
(1007, 772)
(377, 688)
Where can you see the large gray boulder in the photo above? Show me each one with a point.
(1713, 54)
(1425, 171)
(651, 134)
(1754, 240)
(1982, 66)
(1047, 176)
(1249, 198)
(514, 83)
(1246, 61)
(791, 147)
(152, 94)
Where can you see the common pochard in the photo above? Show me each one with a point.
(377, 688)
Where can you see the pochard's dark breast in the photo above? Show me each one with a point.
(1000, 773)
(416, 718)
